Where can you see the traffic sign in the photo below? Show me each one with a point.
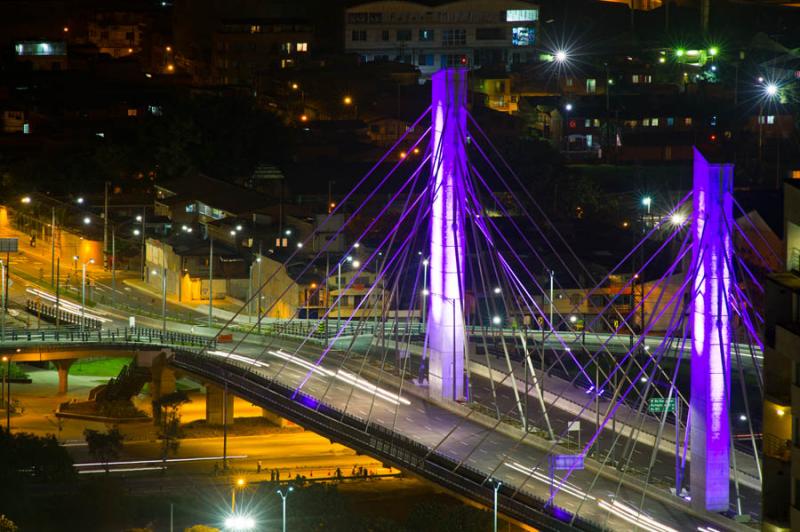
(566, 462)
(659, 405)
(9, 244)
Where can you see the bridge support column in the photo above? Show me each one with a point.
(163, 380)
(217, 405)
(63, 374)
(711, 334)
(445, 336)
(276, 420)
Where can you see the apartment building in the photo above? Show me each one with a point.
(470, 33)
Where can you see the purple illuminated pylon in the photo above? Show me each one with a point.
(712, 220)
(445, 322)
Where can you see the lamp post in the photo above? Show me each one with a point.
(284, 496)
(7, 389)
(210, 280)
(83, 289)
(260, 295)
(497, 485)
(141, 218)
(239, 484)
(349, 258)
(3, 296)
(770, 92)
(567, 109)
(163, 296)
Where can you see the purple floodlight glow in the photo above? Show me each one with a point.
(711, 334)
(445, 326)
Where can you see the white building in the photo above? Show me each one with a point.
(472, 33)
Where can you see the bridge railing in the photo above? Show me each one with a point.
(51, 314)
(379, 441)
(125, 335)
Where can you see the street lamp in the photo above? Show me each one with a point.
(83, 290)
(86, 220)
(7, 379)
(163, 296)
(561, 56)
(25, 199)
(283, 498)
(567, 109)
(647, 201)
(348, 258)
(771, 90)
(3, 290)
(497, 485)
(239, 484)
(240, 522)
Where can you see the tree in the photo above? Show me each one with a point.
(7, 525)
(169, 413)
(104, 446)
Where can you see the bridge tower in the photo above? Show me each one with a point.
(445, 338)
(711, 334)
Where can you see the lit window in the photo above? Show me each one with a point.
(426, 35)
(302, 47)
(287, 47)
(587, 122)
(522, 15)
(255, 29)
(26, 129)
(596, 122)
(591, 86)
(687, 121)
(523, 36)
(654, 122)
(569, 82)
(670, 121)
(795, 174)
(133, 112)
(635, 78)
(770, 119)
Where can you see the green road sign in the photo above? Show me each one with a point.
(659, 405)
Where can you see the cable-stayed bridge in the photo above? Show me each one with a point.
(627, 422)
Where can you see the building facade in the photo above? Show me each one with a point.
(243, 48)
(781, 425)
(470, 33)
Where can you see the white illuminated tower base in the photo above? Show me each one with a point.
(445, 323)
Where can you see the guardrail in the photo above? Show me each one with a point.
(379, 441)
